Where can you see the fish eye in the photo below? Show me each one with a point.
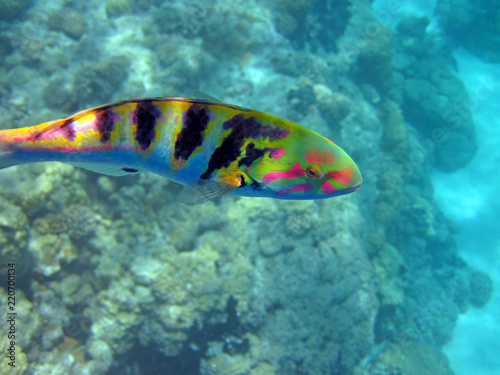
(312, 173)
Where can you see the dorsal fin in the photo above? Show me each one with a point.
(203, 96)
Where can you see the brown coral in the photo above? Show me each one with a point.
(78, 221)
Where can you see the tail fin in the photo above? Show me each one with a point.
(18, 146)
(6, 153)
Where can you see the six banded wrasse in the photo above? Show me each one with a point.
(211, 148)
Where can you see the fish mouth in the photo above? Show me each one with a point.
(352, 188)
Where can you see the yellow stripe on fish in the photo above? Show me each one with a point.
(211, 148)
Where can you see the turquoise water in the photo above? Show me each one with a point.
(114, 276)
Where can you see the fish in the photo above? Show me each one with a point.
(211, 148)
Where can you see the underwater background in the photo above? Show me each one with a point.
(115, 277)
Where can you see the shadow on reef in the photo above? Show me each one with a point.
(148, 360)
(317, 24)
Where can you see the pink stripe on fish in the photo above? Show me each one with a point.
(328, 188)
(277, 153)
(294, 172)
(297, 188)
(343, 175)
(284, 134)
(70, 149)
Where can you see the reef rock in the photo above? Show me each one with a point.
(472, 24)
(434, 100)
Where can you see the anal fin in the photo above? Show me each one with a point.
(107, 169)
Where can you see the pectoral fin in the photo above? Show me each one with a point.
(206, 190)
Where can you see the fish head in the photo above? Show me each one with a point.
(306, 166)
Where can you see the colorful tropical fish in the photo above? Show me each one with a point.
(211, 148)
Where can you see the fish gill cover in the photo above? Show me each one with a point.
(114, 276)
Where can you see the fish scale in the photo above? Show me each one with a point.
(211, 148)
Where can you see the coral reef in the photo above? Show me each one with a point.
(481, 287)
(317, 23)
(433, 98)
(117, 8)
(329, 282)
(5, 46)
(70, 22)
(49, 250)
(13, 9)
(95, 84)
(472, 24)
(334, 107)
(224, 361)
(373, 64)
(13, 233)
(414, 358)
(77, 221)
